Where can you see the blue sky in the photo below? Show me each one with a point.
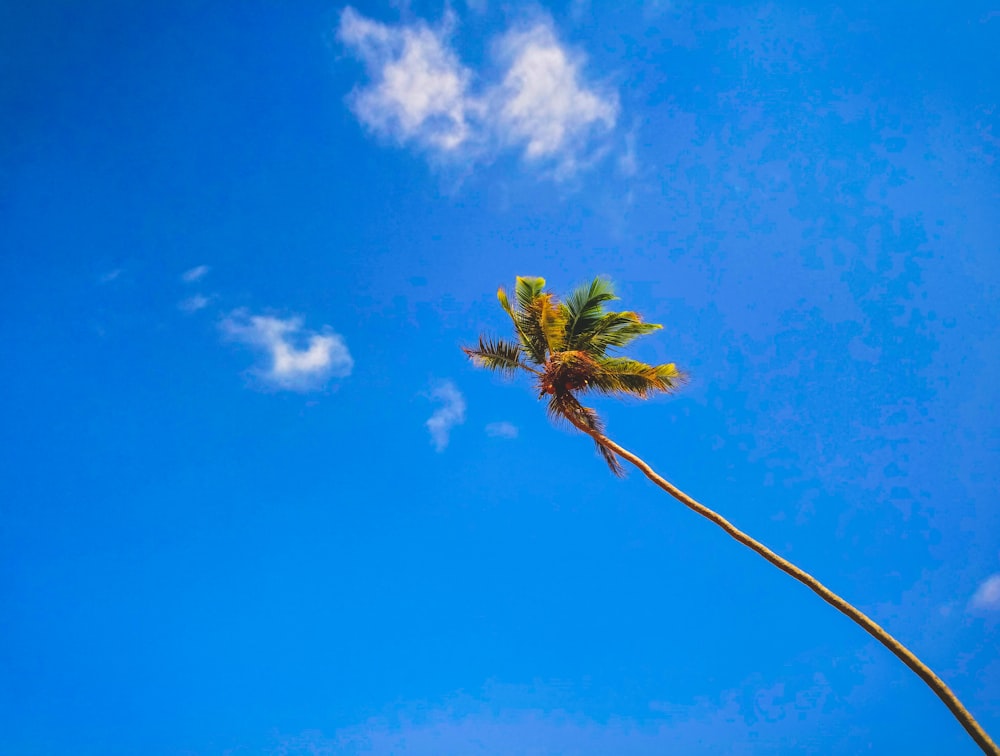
(255, 500)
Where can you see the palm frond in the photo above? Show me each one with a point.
(499, 355)
(613, 330)
(529, 329)
(671, 375)
(586, 308)
(527, 289)
(528, 293)
(620, 375)
(523, 327)
(552, 318)
(505, 302)
(565, 406)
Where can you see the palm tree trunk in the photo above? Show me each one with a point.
(935, 683)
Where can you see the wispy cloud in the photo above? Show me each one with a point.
(987, 595)
(109, 276)
(730, 723)
(295, 359)
(420, 92)
(628, 164)
(194, 274)
(503, 429)
(449, 414)
(194, 303)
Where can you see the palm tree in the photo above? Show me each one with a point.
(569, 348)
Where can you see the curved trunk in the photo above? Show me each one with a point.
(935, 683)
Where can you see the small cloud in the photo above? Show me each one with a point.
(111, 275)
(545, 104)
(195, 303)
(449, 414)
(195, 274)
(502, 429)
(297, 359)
(418, 88)
(987, 595)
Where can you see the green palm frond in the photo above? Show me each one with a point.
(672, 376)
(565, 406)
(527, 289)
(505, 302)
(620, 375)
(586, 308)
(498, 355)
(529, 328)
(526, 316)
(613, 330)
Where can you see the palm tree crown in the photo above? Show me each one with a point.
(570, 349)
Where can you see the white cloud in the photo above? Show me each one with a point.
(194, 274)
(418, 89)
(987, 595)
(289, 365)
(543, 103)
(195, 303)
(503, 429)
(110, 276)
(449, 414)
(421, 93)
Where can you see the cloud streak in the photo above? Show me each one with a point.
(448, 415)
(194, 274)
(987, 595)
(503, 429)
(194, 303)
(419, 93)
(294, 359)
(466, 725)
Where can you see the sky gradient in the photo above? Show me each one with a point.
(254, 499)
